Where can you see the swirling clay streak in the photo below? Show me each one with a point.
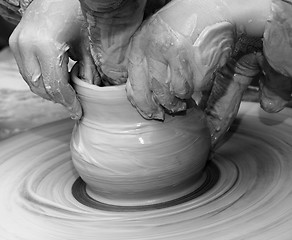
(251, 200)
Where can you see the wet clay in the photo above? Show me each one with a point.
(128, 160)
(250, 199)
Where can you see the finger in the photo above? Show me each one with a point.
(81, 50)
(230, 83)
(30, 70)
(161, 86)
(88, 71)
(181, 72)
(275, 89)
(168, 67)
(139, 93)
(27, 63)
(54, 68)
(138, 87)
(277, 37)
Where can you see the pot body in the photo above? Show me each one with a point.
(129, 161)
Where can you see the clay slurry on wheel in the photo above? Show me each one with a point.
(79, 192)
(251, 199)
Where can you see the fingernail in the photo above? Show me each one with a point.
(158, 115)
(75, 110)
(74, 116)
(182, 106)
(35, 80)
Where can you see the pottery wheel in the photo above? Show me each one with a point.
(248, 197)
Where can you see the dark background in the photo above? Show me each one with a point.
(5, 31)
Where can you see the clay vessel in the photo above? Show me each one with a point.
(127, 160)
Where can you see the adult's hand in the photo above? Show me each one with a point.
(47, 32)
(186, 49)
(175, 54)
(276, 81)
(111, 24)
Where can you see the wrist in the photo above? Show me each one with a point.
(110, 32)
(102, 6)
(57, 20)
(126, 12)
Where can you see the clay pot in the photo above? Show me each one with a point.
(129, 161)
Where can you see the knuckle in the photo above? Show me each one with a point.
(13, 40)
(26, 38)
(23, 39)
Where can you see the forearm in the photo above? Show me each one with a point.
(111, 25)
(101, 6)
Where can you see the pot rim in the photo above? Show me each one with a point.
(77, 81)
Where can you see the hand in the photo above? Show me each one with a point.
(111, 23)
(170, 59)
(276, 81)
(191, 55)
(40, 43)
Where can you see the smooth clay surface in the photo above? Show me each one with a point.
(249, 195)
(127, 160)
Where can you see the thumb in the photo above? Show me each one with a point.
(275, 88)
(55, 76)
(88, 71)
(229, 85)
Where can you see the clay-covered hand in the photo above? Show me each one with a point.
(276, 81)
(111, 23)
(176, 58)
(273, 23)
(171, 57)
(174, 55)
(40, 43)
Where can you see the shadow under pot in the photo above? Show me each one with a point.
(126, 160)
